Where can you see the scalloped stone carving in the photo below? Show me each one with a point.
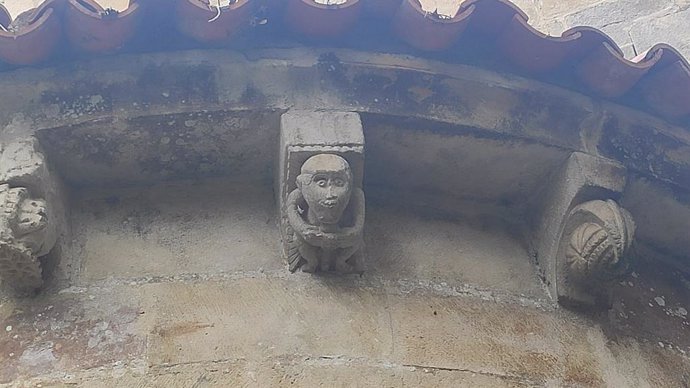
(595, 246)
(25, 234)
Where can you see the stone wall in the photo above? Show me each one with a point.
(636, 25)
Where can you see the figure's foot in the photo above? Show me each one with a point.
(309, 267)
(344, 267)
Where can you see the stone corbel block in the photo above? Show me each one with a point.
(583, 237)
(31, 213)
(319, 191)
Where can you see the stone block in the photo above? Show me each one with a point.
(621, 12)
(32, 213)
(320, 190)
(673, 29)
(550, 9)
(22, 163)
(580, 234)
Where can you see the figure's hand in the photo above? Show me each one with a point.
(330, 240)
(311, 234)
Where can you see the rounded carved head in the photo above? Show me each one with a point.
(598, 247)
(326, 185)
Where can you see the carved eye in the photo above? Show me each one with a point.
(339, 182)
(321, 182)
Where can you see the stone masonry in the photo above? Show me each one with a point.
(636, 25)
(170, 272)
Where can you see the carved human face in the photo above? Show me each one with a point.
(326, 185)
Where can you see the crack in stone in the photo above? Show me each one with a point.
(374, 284)
(522, 379)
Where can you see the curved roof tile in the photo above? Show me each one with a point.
(320, 21)
(33, 36)
(206, 23)
(430, 32)
(607, 73)
(533, 51)
(660, 78)
(90, 27)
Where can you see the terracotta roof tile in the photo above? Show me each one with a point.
(660, 78)
(91, 28)
(319, 20)
(207, 24)
(32, 37)
(428, 31)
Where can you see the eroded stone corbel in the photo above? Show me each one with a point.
(31, 212)
(593, 250)
(319, 188)
(584, 236)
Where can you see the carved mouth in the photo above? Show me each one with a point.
(329, 203)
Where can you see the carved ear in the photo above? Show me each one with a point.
(302, 180)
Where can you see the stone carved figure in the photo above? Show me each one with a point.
(596, 241)
(326, 215)
(25, 234)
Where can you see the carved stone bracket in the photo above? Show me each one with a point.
(593, 250)
(319, 190)
(584, 236)
(31, 212)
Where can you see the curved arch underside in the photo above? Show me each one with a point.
(491, 140)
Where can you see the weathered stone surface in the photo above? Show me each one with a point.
(320, 190)
(582, 178)
(187, 273)
(673, 29)
(68, 332)
(663, 217)
(421, 330)
(178, 228)
(406, 242)
(634, 25)
(142, 111)
(24, 164)
(326, 214)
(306, 330)
(286, 371)
(25, 234)
(224, 314)
(594, 250)
(455, 169)
(620, 12)
(167, 231)
(113, 152)
(32, 213)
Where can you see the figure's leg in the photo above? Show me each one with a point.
(327, 260)
(310, 254)
(341, 260)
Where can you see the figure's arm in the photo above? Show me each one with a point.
(359, 209)
(309, 233)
